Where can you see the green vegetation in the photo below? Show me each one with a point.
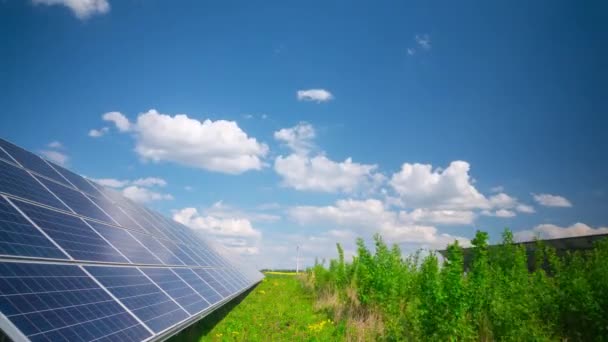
(381, 296)
(278, 309)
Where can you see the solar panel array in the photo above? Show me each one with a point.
(79, 262)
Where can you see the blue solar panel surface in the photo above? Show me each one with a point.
(72, 234)
(145, 299)
(61, 302)
(179, 290)
(19, 237)
(18, 182)
(31, 161)
(66, 276)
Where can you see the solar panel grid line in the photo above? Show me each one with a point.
(29, 160)
(178, 252)
(59, 173)
(156, 248)
(57, 302)
(222, 280)
(116, 299)
(6, 156)
(207, 291)
(162, 282)
(190, 286)
(73, 234)
(76, 201)
(106, 240)
(11, 330)
(77, 181)
(207, 277)
(37, 227)
(143, 297)
(18, 182)
(117, 215)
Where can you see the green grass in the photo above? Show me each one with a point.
(278, 309)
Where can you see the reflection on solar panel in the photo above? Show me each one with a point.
(79, 262)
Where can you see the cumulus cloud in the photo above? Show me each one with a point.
(96, 133)
(144, 195)
(319, 173)
(503, 213)
(418, 185)
(298, 138)
(120, 121)
(316, 95)
(219, 146)
(439, 217)
(57, 157)
(549, 200)
(150, 181)
(111, 182)
(55, 144)
(322, 174)
(369, 216)
(551, 231)
(524, 208)
(83, 9)
(234, 233)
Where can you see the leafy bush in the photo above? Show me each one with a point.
(496, 298)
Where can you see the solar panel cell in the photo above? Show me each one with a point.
(159, 251)
(126, 244)
(140, 295)
(77, 180)
(60, 302)
(17, 182)
(203, 289)
(116, 213)
(179, 290)
(209, 279)
(19, 237)
(72, 234)
(76, 201)
(5, 156)
(31, 161)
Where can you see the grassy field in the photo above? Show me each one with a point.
(278, 309)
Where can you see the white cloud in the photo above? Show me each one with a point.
(144, 195)
(121, 121)
(219, 146)
(322, 174)
(56, 157)
(523, 208)
(298, 138)
(317, 95)
(221, 210)
(419, 186)
(423, 40)
(551, 231)
(111, 182)
(234, 233)
(149, 181)
(411, 51)
(96, 133)
(140, 182)
(81, 8)
(319, 173)
(439, 217)
(548, 200)
(503, 213)
(55, 144)
(369, 216)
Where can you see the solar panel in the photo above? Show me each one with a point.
(178, 289)
(19, 237)
(76, 201)
(79, 262)
(138, 293)
(72, 234)
(215, 284)
(198, 284)
(60, 302)
(31, 161)
(122, 240)
(18, 182)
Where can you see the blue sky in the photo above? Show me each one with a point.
(501, 101)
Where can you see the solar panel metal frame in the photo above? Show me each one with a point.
(169, 234)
